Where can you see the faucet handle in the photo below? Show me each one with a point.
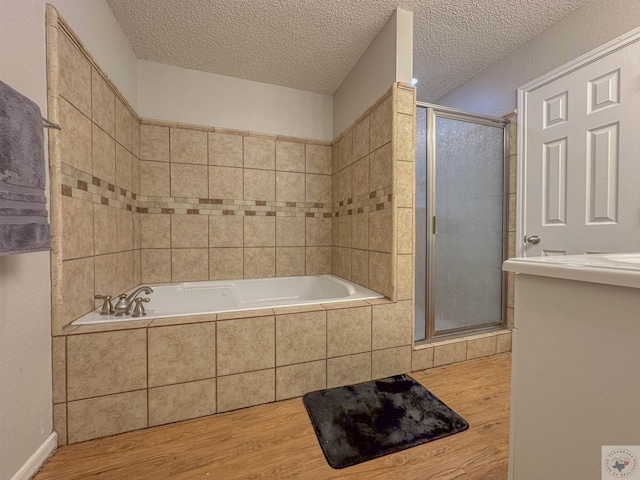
(107, 306)
(138, 310)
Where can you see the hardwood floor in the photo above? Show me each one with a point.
(276, 441)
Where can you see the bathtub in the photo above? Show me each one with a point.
(194, 298)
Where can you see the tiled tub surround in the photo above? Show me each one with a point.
(112, 378)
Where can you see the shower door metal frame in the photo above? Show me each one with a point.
(434, 111)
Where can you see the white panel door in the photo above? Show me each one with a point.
(582, 159)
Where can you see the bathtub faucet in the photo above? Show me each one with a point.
(123, 306)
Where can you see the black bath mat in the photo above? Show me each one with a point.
(369, 420)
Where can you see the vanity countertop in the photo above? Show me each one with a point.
(621, 269)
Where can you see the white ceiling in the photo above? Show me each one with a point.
(313, 44)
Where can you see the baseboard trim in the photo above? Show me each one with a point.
(38, 459)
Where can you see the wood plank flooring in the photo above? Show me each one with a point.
(276, 441)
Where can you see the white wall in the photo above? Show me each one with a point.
(177, 94)
(25, 305)
(389, 58)
(493, 91)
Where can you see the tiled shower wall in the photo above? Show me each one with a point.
(222, 205)
(94, 184)
(373, 185)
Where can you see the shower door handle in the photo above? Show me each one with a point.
(435, 225)
(533, 239)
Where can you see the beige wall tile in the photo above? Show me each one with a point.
(189, 181)
(344, 231)
(335, 188)
(300, 337)
(182, 353)
(404, 265)
(361, 139)
(481, 347)
(318, 231)
(346, 150)
(512, 212)
(246, 390)
(348, 370)
(75, 75)
(406, 101)
(60, 423)
(318, 159)
(155, 265)
(449, 353)
(380, 168)
(259, 152)
(290, 187)
(335, 158)
(225, 149)
(226, 231)
(124, 126)
(155, 179)
(105, 363)
(318, 188)
(188, 146)
(124, 168)
(513, 136)
(103, 103)
(405, 141)
(104, 155)
(342, 267)
(511, 287)
(175, 403)
(360, 231)
(189, 231)
(259, 185)
(77, 288)
(154, 143)
(155, 230)
(107, 279)
(125, 271)
(422, 359)
(513, 174)
(259, 231)
(405, 182)
(318, 260)
(124, 229)
(360, 267)
(136, 229)
(137, 267)
(348, 331)
(135, 127)
(104, 229)
(75, 138)
(189, 264)
(290, 231)
(259, 262)
(380, 230)
(392, 325)
(290, 156)
(245, 345)
(296, 380)
(290, 261)
(345, 184)
(360, 177)
(392, 361)
(380, 273)
(104, 416)
(380, 128)
(59, 369)
(503, 343)
(226, 263)
(77, 219)
(405, 230)
(225, 183)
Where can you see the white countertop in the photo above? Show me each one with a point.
(622, 269)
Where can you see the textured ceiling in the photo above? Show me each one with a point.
(313, 44)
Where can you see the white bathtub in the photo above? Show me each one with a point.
(193, 298)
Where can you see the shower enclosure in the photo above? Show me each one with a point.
(460, 221)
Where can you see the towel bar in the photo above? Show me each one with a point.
(47, 124)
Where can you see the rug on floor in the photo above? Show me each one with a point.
(361, 422)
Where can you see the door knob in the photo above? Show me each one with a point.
(534, 239)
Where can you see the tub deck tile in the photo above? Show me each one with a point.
(299, 309)
(110, 327)
(200, 318)
(339, 305)
(264, 312)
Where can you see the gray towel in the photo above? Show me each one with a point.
(23, 205)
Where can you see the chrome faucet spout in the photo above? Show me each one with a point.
(144, 289)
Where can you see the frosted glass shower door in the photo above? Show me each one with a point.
(467, 232)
